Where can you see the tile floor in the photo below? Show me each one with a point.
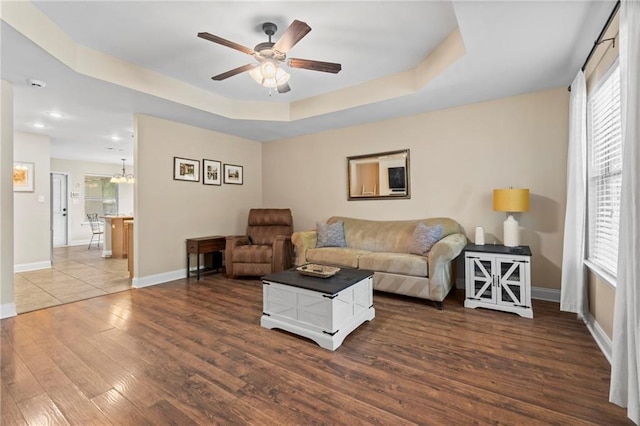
(77, 273)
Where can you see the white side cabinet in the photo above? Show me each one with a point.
(498, 277)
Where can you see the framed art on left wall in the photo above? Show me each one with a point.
(233, 174)
(186, 169)
(211, 172)
(23, 177)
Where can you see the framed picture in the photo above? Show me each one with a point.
(233, 174)
(186, 169)
(23, 177)
(211, 172)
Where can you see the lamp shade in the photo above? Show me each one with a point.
(511, 200)
(269, 74)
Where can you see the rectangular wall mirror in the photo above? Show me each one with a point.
(384, 175)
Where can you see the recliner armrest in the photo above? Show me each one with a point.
(236, 240)
(233, 241)
(282, 253)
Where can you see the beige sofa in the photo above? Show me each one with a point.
(383, 246)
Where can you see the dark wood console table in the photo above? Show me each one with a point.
(211, 247)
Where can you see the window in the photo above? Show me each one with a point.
(604, 171)
(100, 195)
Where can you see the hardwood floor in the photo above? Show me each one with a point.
(191, 352)
(76, 274)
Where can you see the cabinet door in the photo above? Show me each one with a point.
(480, 277)
(511, 275)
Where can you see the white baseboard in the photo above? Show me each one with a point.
(601, 338)
(140, 282)
(8, 310)
(543, 293)
(24, 267)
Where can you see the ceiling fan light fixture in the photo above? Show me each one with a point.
(256, 74)
(269, 69)
(273, 79)
(283, 88)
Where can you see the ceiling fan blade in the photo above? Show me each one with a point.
(227, 43)
(308, 64)
(233, 72)
(283, 88)
(292, 35)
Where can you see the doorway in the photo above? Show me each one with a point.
(59, 210)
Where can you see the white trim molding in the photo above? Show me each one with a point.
(25, 267)
(141, 282)
(601, 338)
(543, 293)
(8, 310)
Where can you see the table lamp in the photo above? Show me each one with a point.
(511, 200)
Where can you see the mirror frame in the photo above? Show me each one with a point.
(352, 169)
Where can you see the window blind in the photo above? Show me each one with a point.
(604, 171)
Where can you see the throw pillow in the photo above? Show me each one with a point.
(424, 237)
(330, 235)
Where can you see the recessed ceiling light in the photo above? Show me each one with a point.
(39, 125)
(55, 114)
(115, 138)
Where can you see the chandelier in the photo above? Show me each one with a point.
(122, 178)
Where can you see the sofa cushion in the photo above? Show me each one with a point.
(337, 256)
(388, 236)
(424, 237)
(395, 263)
(330, 235)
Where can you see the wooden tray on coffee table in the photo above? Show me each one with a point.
(318, 271)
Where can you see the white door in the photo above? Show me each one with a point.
(59, 212)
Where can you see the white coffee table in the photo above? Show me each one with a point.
(324, 310)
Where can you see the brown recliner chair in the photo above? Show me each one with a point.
(267, 246)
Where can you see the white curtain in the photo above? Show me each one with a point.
(625, 375)
(573, 293)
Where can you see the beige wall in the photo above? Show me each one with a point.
(7, 306)
(78, 228)
(458, 156)
(169, 211)
(32, 210)
(602, 294)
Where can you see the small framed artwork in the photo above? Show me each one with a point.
(23, 177)
(233, 174)
(186, 169)
(211, 172)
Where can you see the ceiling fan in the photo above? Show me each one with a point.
(269, 56)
